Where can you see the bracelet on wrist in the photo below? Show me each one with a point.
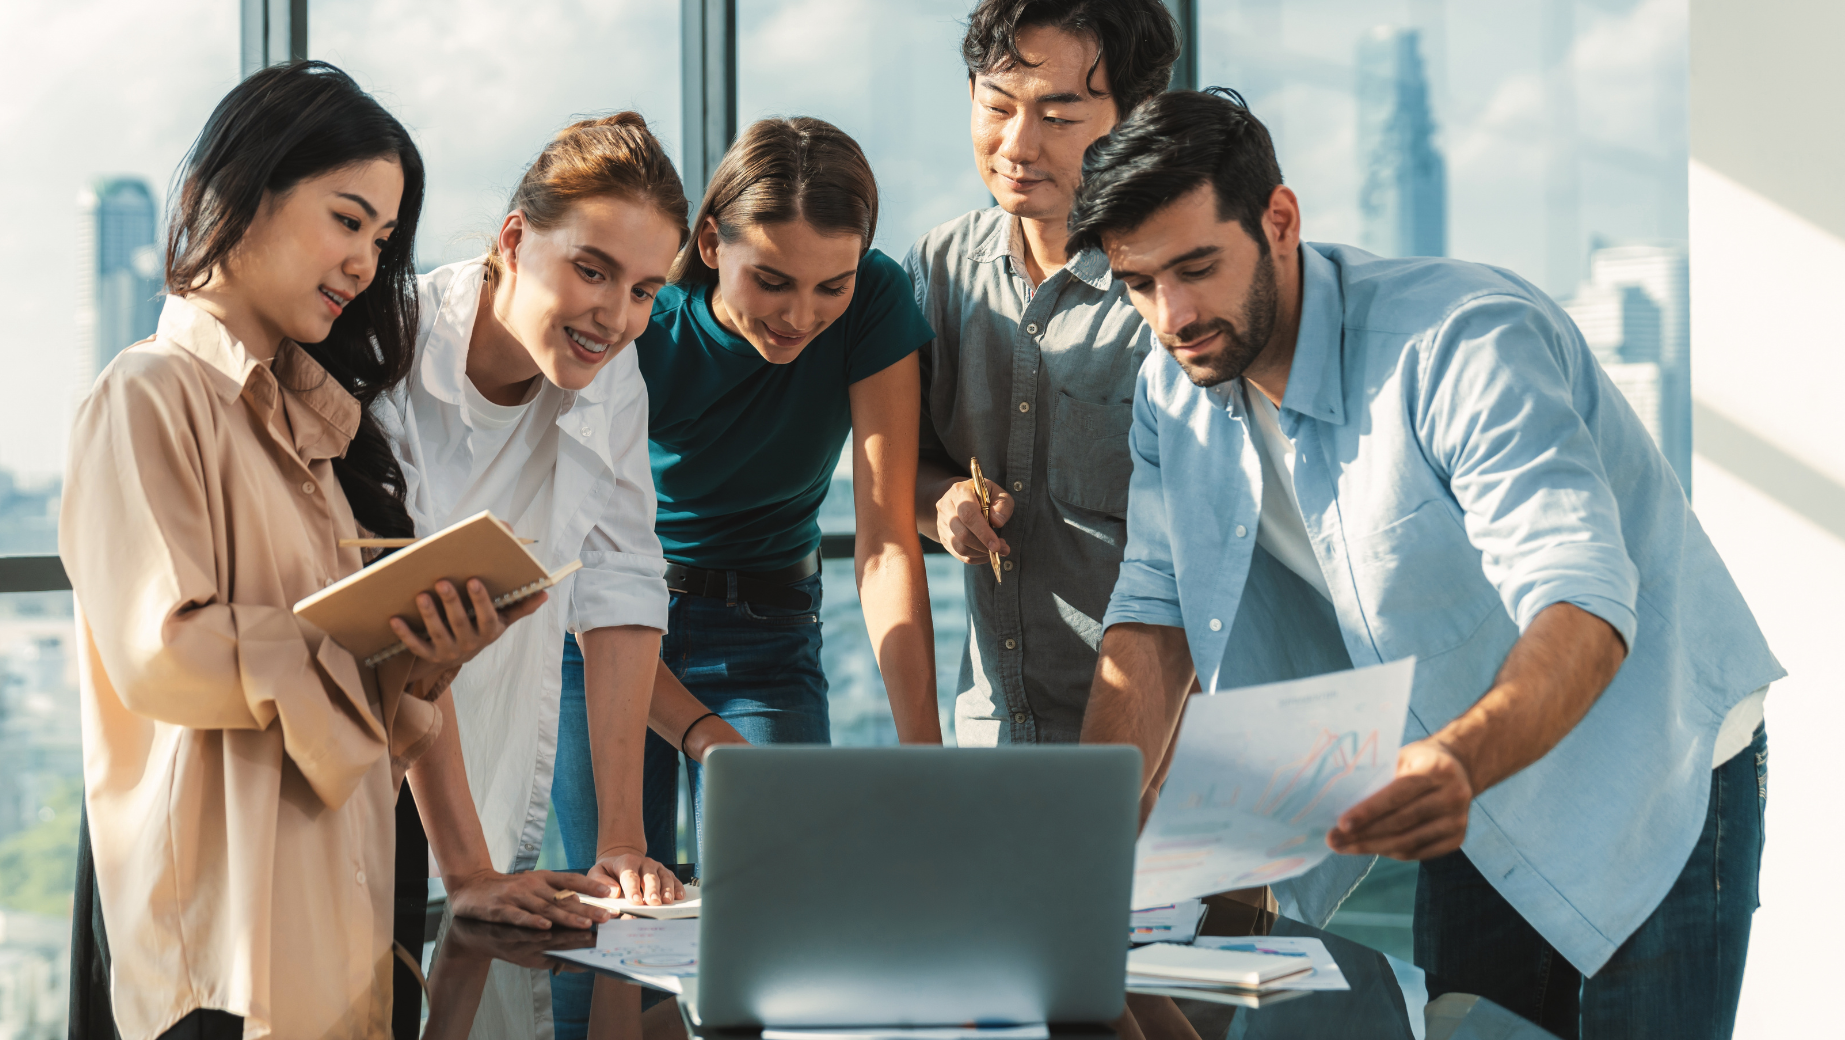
(688, 729)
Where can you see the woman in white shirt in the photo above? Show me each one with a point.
(523, 401)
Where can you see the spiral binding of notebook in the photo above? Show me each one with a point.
(499, 603)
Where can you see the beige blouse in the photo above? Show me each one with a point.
(241, 768)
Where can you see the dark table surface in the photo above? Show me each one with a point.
(1385, 996)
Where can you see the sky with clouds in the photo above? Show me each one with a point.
(112, 86)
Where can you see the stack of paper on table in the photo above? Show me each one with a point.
(662, 954)
(1326, 974)
(663, 912)
(357, 610)
(1169, 962)
(1223, 976)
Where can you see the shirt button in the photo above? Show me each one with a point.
(1007, 565)
(307, 487)
(1241, 530)
(326, 583)
(1019, 717)
(1216, 625)
(1012, 644)
(1018, 485)
(1032, 329)
(361, 877)
(585, 431)
(1024, 406)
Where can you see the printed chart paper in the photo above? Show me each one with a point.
(1168, 922)
(658, 953)
(1261, 774)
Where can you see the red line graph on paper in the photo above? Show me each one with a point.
(1297, 786)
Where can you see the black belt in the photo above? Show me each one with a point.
(769, 588)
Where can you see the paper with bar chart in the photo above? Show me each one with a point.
(1262, 773)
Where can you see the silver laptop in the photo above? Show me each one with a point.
(915, 886)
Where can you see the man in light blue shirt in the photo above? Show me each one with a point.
(1343, 460)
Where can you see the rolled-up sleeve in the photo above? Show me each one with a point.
(623, 580)
(1498, 407)
(1146, 590)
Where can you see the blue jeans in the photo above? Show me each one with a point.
(757, 667)
(573, 785)
(1678, 976)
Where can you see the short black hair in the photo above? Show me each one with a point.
(1138, 38)
(1168, 147)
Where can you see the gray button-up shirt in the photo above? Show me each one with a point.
(1039, 385)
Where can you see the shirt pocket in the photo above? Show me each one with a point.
(1089, 461)
(1421, 584)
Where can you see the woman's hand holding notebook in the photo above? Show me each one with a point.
(357, 610)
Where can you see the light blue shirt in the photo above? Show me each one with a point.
(1462, 463)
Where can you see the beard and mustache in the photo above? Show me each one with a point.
(1240, 347)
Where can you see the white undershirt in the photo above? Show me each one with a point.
(507, 461)
(1283, 532)
(1738, 728)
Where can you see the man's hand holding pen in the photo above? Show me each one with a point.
(968, 535)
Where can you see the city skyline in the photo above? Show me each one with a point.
(119, 271)
(1403, 197)
(452, 77)
(1634, 311)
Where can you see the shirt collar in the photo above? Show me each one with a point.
(322, 414)
(1002, 237)
(205, 337)
(698, 301)
(993, 241)
(1316, 382)
(445, 349)
(1091, 268)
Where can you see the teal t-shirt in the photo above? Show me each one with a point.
(743, 451)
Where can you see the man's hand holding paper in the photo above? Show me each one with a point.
(1261, 775)
(1420, 814)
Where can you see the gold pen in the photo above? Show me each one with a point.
(986, 511)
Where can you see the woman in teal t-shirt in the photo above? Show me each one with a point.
(782, 331)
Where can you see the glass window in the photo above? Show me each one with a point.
(889, 74)
(483, 85)
(100, 109)
(894, 80)
(1543, 136)
(102, 101)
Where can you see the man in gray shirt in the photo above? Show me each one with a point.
(1033, 365)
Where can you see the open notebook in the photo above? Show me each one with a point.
(357, 610)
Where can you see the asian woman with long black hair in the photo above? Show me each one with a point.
(241, 768)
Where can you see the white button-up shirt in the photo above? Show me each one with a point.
(568, 468)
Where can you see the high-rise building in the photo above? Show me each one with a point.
(1635, 313)
(119, 278)
(1403, 200)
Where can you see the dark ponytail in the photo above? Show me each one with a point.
(281, 126)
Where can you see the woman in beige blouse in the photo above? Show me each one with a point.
(240, 767)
